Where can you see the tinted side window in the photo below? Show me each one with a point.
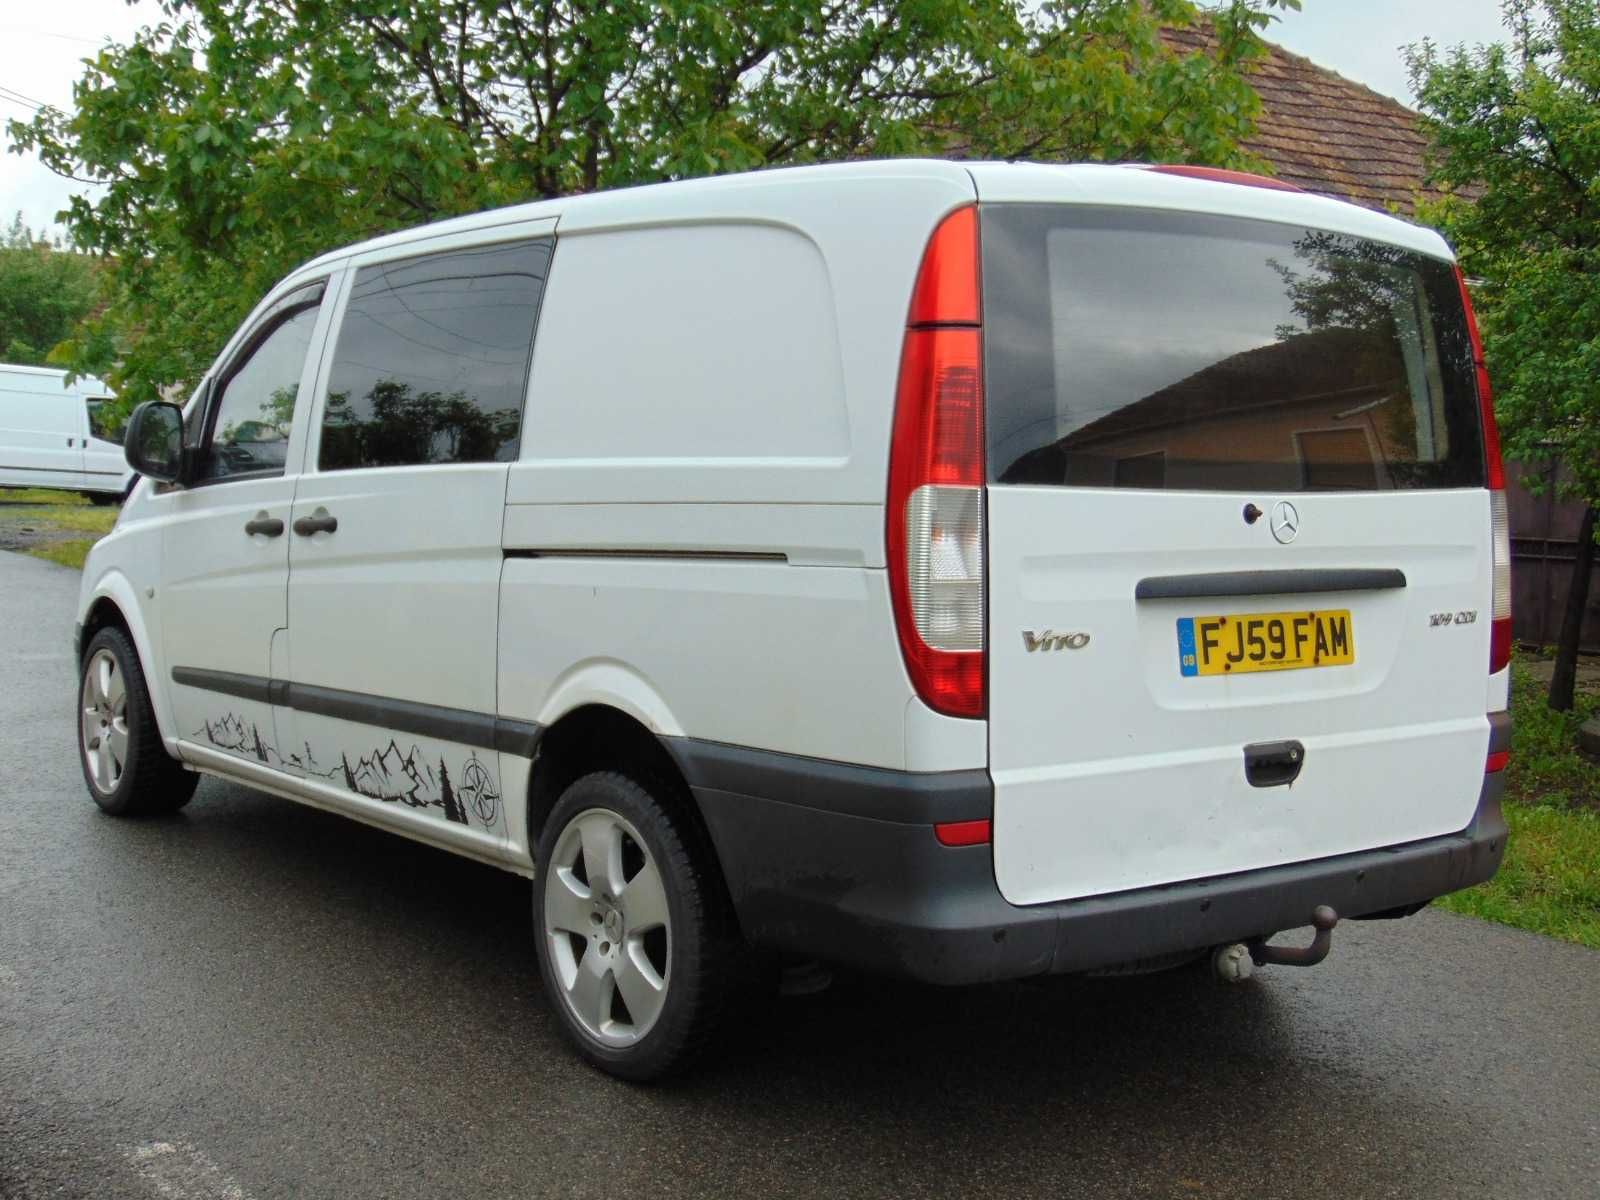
(432, 359)
(252, 415)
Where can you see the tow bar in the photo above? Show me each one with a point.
(1237, 960)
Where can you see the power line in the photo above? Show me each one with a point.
(65, 37)
(8, 93)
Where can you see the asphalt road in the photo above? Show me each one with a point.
(254, 999)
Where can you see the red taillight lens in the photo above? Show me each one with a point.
(1495, 473)
(935, 518)
(947, 285)
(963, 833)
(1491, 431)
(1497, 762)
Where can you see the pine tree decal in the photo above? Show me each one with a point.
(453, 808)
(349, 775)
(260, 750)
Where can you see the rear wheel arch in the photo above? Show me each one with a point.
(597, 737)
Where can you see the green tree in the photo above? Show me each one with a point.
(44, 292)
(1515, 140)
(240, 137)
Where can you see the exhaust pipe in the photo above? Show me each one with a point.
(1236, 961)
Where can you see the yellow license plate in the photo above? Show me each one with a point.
(1281, 641)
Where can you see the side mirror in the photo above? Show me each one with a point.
(154, 441)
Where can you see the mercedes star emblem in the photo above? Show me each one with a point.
(1285, 521)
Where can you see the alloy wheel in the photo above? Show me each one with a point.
(608, 927)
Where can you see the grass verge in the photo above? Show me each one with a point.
(69, 552)
(1550, 880)
(41, 496)
(59, 527)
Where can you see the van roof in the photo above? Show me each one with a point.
(1126, 185)
(84, 383)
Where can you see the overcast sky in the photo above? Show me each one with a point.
(41, 45)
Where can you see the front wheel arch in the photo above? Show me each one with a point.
(114, 603)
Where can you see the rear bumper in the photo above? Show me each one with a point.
(841, 864)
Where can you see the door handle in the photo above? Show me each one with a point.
(1273, 764)
(270, 526)
(320, 521)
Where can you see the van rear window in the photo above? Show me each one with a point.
(1129, 348)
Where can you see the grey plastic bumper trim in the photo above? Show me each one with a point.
(877, 793)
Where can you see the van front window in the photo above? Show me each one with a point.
(1180, 351)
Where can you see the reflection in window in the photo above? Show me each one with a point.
(250, 433)
(1165, 350)
(1337, 460)
(105, 422)
(432, 359)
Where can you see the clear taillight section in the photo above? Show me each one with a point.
(944, 565)
(1501, 525)
(1495, 475)
(935, 518)
(1500, 631)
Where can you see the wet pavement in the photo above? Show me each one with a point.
(254, 999)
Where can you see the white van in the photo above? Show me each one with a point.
(53, 434)
(964, 571)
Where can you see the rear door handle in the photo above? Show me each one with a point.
(320, 521)
(1273, 764)
(263, 524)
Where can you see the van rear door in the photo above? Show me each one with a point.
(1239, 547)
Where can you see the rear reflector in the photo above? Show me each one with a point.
(1495, 474)
(963, 833)
(935, 513)
(1497, 762)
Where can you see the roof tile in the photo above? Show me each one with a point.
(1329, 134)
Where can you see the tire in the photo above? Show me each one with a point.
(680, 935)
(113, 700)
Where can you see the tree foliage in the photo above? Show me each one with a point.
(1515, 133)
(1515, 139)
(44, 292)
(239, 137)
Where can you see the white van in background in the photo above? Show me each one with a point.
(965, 571)
(52, 434)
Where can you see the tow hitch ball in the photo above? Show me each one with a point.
(1237, 960)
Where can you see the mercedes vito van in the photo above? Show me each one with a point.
(963, 571)
(56, 434)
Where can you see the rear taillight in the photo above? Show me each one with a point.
(935, 518)
(1500, 522)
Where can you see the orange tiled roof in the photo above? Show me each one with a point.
(1327, 134)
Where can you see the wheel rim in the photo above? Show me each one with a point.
(607, 928)
(104, 721)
